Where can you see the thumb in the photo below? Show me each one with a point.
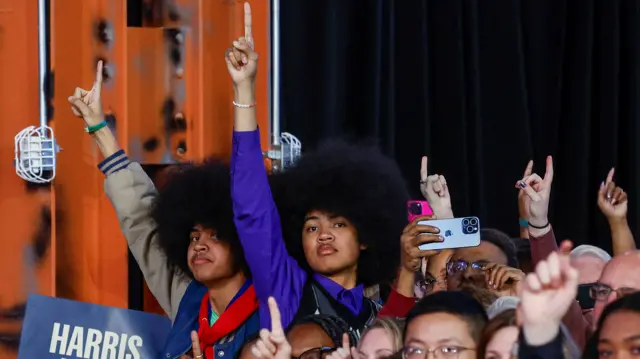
(80, 106)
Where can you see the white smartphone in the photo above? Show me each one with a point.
(457, 232)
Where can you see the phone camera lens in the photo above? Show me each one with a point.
(465, 222)
(415, 208)
(470, 229)
(473, 221)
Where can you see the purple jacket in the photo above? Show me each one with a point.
(274, 272)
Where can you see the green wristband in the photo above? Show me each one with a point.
(94, 128)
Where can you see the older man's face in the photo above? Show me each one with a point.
(621, 275)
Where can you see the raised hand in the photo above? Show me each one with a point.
(435, 190)
(546, 295)
(242, 60)
(412, 237)
(612, 200)
(523, 198)
(497, 276)
(87, 104)
(272, 344)
(344, 352)
(538, 190)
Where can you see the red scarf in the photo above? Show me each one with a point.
(230, 320)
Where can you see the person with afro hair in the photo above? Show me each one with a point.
(343, 213)
(184, 240)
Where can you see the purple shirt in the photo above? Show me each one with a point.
(257, 220)
(350, 298)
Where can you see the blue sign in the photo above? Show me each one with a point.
(60, 328)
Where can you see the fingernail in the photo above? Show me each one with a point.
(244, 59)
(490, 283)
(522, 184)
(602, 184)
(235, 43)
(441, 238)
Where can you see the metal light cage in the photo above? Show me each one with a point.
(35, 147)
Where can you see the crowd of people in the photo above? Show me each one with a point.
(319, 261)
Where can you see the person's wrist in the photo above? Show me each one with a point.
(245, 87)
(539, 334)
(617, 222)
(540, 222)
(442, 213)
(93, 120)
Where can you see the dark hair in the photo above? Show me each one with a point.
(503, 320)
(629, 302)
(195, 195)
(334, 326)
(455, 303)
(357, 182)
(523, 250)
(502, 241)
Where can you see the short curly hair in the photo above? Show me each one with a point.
(503, 242)
(195, 194)
(355, 181)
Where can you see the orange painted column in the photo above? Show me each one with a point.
(27, 259)
(91, 252)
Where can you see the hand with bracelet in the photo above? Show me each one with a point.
(242, 63)
(538, 191)
(88, 105)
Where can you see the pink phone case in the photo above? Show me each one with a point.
(416, 209)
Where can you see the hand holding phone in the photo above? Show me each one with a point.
(457, 232)
(413, 236)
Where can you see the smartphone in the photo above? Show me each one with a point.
(584, 296)
(417, 209)
(457, 232)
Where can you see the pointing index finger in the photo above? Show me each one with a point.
(423, 169)
(549, 172)
(247, 22)
(529, 169)
(276, 322)
(195, 343)
(98, 84)
(610, 175)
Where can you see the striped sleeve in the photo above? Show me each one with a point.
(114, 163)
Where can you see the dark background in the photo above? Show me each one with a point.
(481, 87)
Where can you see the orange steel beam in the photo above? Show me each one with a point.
(146, 64)
(211, 26)
(26, 256)
(92, 255)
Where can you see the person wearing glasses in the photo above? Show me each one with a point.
(619, 278)
(444, 325)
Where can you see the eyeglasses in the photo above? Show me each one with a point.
(441, 352)
(601, 292)
(315, 353)
(456, 267)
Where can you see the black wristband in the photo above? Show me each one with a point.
(536, 227)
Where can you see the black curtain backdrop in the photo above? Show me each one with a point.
(481, 87)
